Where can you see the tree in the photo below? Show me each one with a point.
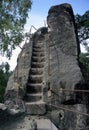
(84, 61)
(13, 15)
(4, 76)
(82, 22)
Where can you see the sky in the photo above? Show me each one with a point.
(37, 17)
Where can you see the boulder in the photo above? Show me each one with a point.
(60, 70)
(8, 115)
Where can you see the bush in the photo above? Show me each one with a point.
(4, 76)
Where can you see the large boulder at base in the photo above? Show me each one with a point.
(8, 115)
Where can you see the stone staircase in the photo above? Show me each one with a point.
(34, 97)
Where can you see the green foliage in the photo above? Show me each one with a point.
(13, 14)
(84, 60)
(4, 76)
(82, 22)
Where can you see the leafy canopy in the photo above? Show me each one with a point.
(13, 14)
(82, 22)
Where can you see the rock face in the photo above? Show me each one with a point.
(63, 50)
(8, 115)
(47, 66)
(19, 78)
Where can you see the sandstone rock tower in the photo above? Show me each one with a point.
(49, 61)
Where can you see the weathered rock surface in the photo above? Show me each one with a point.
(62, 42)
(50, 61)
(9, 115)
(19, 78)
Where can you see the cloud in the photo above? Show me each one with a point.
(83, 50)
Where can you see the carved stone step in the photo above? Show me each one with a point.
(33, 97)
(38, 49)
(36, 78)
(38, 43)
(36, 71)
(38, 46)
(34, 87)
(38, 54)
(38, 59)
(37, 64)
(35, 108)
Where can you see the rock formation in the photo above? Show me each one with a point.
(47, 66)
